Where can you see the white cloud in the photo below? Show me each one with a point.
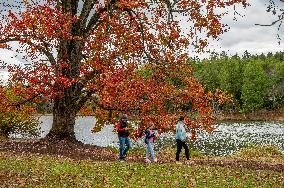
(9, 56)
(245, 35)
(4, 76)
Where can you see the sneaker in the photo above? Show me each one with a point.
(122, 160)
(147, 161)
(188, 162)
(179, 163)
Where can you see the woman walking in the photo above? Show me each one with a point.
(149, 139)
(181, 139)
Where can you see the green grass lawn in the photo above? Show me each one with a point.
(45, 171)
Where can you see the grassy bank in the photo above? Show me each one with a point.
(258, 115)
(33, 170)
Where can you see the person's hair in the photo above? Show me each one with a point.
(181, 118)
(150, 125)
(124, 116)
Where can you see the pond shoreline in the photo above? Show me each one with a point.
(260, 115)
(227, 137)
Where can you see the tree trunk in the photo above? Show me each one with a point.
(64, 116)
(65, 106)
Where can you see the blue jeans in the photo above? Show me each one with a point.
(122, 149)
(150, 150)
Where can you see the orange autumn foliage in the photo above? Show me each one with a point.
(125, 56)
(13, 117)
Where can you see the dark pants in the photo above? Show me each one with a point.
(181, 144)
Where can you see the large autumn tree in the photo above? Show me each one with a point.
(123, 55)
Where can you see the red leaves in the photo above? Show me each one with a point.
(193, 135)
(131, 59)
(9, 99)
(147, 97)
(3, 45)
(42, 23)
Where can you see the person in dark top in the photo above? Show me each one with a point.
(150, 136)
(123, 136)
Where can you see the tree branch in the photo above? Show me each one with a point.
(141, 30)
(87, 7)
(11, 39)
(68, 6)
(81, 101)
(273, 23)
(96, 16)
(117, 109)
(181, 10)
(25, 101)
(43, 49)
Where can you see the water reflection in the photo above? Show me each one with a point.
(226, 139)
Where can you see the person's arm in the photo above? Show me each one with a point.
(187, 129)
(119, 129)
(147, 134)
(155, 134)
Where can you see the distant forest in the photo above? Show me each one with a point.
(254, 81)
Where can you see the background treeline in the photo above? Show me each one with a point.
(254, 81)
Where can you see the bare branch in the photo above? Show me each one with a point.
(9, 39)
(43, 49)
(273, 23)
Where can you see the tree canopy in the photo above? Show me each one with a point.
(126, 56)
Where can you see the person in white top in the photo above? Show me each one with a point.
(180, 139)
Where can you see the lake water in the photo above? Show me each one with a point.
(226, 138)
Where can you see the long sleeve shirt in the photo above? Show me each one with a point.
(180, 131)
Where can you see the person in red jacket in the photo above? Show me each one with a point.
(123, 136)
